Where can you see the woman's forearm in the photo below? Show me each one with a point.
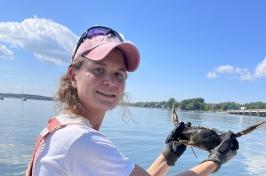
(158, 167)
(202, 169)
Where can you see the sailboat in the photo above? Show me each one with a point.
(23, 96)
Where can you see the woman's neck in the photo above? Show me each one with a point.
(95, 117)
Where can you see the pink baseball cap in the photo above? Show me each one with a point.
(99, 46)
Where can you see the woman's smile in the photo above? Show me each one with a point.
(106, 94)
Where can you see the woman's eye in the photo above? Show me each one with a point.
(98, 71)
(121, 76)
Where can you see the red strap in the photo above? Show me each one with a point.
(53, 124)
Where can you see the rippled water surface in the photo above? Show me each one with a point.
(141, 138)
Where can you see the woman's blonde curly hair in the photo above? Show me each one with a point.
(67, 95)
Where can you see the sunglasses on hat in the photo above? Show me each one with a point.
(96, 31)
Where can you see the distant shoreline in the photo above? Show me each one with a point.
(251, 112)
(26, 96)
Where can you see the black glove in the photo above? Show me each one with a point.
(175, 134)
(225, 151)
(173, 151)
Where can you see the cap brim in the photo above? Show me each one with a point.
(130, 51)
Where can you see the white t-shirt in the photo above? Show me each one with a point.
(79, 150)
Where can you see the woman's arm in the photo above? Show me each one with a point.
(202, 169)
(159, 168)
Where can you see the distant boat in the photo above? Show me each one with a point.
(1, 98)
(23, 98)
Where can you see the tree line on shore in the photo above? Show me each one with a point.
(27, 96)
(188, 104)
(199, 104)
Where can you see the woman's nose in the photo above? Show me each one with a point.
(110, 80)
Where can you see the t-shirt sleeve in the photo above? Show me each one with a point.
(93, 154)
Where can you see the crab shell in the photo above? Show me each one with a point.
(200, 137)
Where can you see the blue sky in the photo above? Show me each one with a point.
(210, 49)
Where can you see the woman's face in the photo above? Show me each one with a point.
(101, 84)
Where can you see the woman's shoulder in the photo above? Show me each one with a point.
(76, 135)
(69, 129)
(69, 133)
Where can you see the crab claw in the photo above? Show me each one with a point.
(188, 124)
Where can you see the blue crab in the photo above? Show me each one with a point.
(202, 137)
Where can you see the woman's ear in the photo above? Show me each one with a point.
(71, 74)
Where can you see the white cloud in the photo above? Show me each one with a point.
(225, 69)
(211, 75)
(47, 40)
(245, 74)
(261, 69)
(241, 73)
(5, 52)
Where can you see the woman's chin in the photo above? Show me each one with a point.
(107, 105)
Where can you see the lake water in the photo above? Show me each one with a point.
(141, 138)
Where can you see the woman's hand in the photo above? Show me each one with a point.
(225, 151)
(174, 149)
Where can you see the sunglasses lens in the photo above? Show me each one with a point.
(97, 31)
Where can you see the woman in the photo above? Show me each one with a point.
(72, 145)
